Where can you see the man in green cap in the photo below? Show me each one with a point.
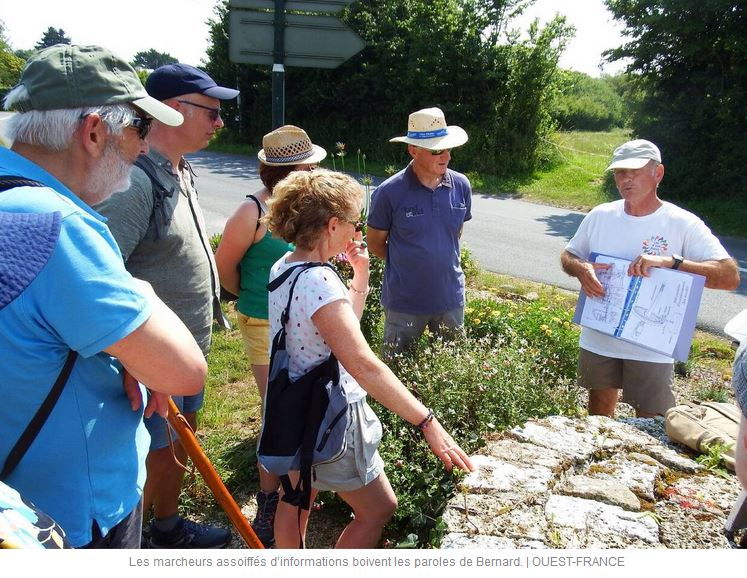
(82, 116)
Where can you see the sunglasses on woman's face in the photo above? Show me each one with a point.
(357, 224)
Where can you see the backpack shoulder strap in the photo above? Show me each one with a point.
(283, 277)
(160, 193)
(40, 417)
(12, 181)
(259, 207)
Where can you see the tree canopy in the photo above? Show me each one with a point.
(587, 103)
(688, 59)
(10, 64)
(152, 59)
(51, 37)
(456, 54)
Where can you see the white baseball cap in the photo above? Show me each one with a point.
(634, 154)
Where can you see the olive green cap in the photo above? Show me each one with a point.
(66, 76)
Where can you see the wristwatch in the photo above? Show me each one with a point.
(677, 261)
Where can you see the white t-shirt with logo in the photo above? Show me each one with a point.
(609, 230)
(316, 287)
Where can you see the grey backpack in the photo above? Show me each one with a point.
(305, 420)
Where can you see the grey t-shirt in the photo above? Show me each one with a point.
(180, 264)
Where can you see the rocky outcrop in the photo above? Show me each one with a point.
(589, 482)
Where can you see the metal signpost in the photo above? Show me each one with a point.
(262, 32)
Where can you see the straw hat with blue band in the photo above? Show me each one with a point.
(427, 129)
(289, 145)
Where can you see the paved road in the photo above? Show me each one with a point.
(506, 235)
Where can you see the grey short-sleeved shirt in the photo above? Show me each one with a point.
(179, 265)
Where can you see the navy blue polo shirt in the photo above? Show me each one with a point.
(422, 275)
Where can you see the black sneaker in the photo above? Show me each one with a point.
(189, 534)
(264, 521)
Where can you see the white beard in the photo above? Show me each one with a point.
(111, 175)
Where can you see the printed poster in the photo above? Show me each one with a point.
(658, 312)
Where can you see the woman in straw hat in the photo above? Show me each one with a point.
(318, 212)
(246, 252)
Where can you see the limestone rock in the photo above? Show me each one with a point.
(592, 482)
(601, 490)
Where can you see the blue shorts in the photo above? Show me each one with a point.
(156, 425)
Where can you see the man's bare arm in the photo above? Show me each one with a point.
(162, 354)
(719, 274)
(377, 240)
(585, 272)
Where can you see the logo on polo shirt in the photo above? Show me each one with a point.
(413, 211)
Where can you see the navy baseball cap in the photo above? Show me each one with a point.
(172, 80)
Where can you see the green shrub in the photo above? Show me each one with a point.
(215, 241)
(542, 329)
(475, 386)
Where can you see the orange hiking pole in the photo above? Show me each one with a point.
(211, 477)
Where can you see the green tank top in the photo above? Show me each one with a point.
(255, 273)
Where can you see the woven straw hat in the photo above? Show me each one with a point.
(427, 129)
(289, 145)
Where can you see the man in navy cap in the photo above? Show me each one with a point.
(161, 232)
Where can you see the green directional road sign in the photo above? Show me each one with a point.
(311, 40)
(323, 6)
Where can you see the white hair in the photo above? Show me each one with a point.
(53, 129)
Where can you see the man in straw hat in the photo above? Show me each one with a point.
(415, 223)
(161, 232)
(82, 116)
(651, 233)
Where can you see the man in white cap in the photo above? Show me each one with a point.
(82, 116)
(650, 233)
(415, 224)
(161, 232)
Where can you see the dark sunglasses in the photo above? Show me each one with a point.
(437, 152)
(214, 112)
(357, 224)
(139, 123)
(142, 125)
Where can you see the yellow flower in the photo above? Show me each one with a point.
(476, 321)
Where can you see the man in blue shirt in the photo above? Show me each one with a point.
(415, 224)
(82, 116)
